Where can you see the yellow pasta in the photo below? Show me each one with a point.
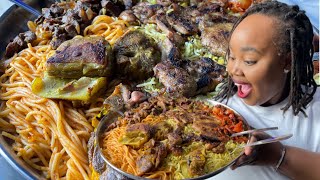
(111, 29)
(50, 135)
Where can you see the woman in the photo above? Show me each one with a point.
(271, 84)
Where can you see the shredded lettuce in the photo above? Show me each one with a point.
(151, 31)
(151, 1)
(151, 85)
(193, 49)
(210, 95)
(316, 77)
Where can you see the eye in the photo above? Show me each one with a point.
(231, 58)
(250, 62)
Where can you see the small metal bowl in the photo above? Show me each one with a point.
(113, 116)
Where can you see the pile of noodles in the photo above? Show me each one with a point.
(49, 135)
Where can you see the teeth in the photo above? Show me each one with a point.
(236, 84)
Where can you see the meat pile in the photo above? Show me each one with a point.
(207, 18)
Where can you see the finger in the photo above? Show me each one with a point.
(238, 162)
(248, 150)
(243, 160)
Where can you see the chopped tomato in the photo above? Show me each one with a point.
(238, 127)
(239, 5)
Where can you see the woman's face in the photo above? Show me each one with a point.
(254, 62)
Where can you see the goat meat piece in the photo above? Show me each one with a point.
(136, 135)
(19, 43)
(181, 22)
(151, 158)
(136, 55)
(196, 161)
(129, 16)
(111, 8)
(88, 56)
(216, 38)
(161, 130)
(175, 79)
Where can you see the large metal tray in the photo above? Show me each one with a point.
(13, 22)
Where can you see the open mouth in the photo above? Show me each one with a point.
(243, 90)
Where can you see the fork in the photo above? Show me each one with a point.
(26, 7)
(253, 130)
(264, 141)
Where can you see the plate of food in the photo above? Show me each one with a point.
(62, 72)
(182, 139)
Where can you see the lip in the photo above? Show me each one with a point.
(239, 82)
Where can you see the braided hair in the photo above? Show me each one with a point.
(295, 37)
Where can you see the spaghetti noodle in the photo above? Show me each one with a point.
(110, 28)
(51, 135)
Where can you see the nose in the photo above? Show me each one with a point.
(234, 68)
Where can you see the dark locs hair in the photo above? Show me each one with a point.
(295, 37)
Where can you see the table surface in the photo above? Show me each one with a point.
(6, 170)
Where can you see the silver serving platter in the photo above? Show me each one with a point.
(113, 116)
(13, 22)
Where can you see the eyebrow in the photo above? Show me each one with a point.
(248, 48)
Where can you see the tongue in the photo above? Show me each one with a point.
(244, 90)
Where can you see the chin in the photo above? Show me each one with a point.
(250, 102)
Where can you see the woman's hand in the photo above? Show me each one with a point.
(266, 154)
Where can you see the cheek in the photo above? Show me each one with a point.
(267, 84)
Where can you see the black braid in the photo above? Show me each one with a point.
(295, 37)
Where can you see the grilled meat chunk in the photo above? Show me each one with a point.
(118, 98)
(151, 158)
(129, 16)
(175, 141)
(67, 20)
(175, 79)
(182, 117)
(180, 20)
(162, 129)
(216, 38)
(136, 55)
(196, 161)
(111, 8)
(145, 163)
(19, 42)
(207, 127)
(220, 148)
(145, 11)
(189, 77)
(88, 56)
(207, 73)
(136, 135)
